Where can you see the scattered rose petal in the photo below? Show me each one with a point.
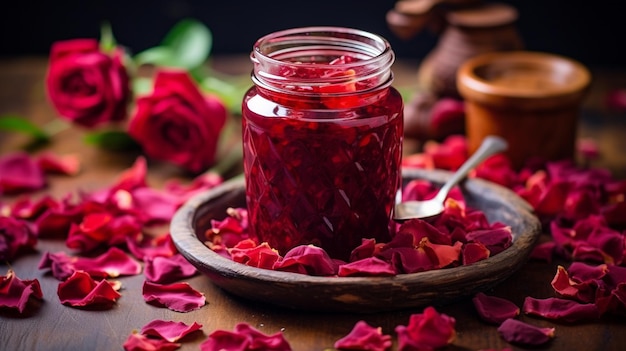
(155, 207)
(244, 338)
(140, 342)
(562, 310)
(19, 173)
(165, 270)
(364, 337)
(496, 240)
(179, 297)
(616, 100)
(112, 264)
(144, 246)
(307, 259)
(543, 252)
(169, 330)
(80, 290)
(15, 292)
(16, 237)
(229, 231)
(518, 332)
(50, 162)
(367, 267)
(426, 331)
(494, 309)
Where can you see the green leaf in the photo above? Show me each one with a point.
(231, 94)
(107, 40)
(22, 125)
(113, 140)
(187, 45)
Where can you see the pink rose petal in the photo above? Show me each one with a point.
(165, 270)
(474, 252)
(112, 264)
(144, 246)
(140, 342)
(561, 309)
(19, 173)
(169, 330)
(518, 332)
(494, 309)
(80, 290)
(179, 297)
(364, 337)
(426, 331)
(307, 259)
(244, 338)
(367, 267)
(15, 292)
(496, 240)
(154, 206)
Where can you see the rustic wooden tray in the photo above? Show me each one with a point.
(357, 294)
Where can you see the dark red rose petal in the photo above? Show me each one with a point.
(543, 252)
(140, 342)
(426, 331)
(367, 267)
(496, 240)
(179, 297)
(165, 270)
(518, 332)
(583, 292)
(19, 173)
(307, 259)
(16, 237)
(561, 309)
(364, 337)
(245, 338)
(15, 292)
(80, 290)
(494, 309)
(169, 330)
(474, 252)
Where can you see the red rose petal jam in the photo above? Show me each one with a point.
(322, 137)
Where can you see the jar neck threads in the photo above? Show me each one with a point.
(322, 60)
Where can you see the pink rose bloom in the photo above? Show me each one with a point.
(85, 85)
(176, 123)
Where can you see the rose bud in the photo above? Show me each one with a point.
(85, 85)
(176, 123)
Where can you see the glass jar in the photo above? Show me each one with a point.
(322, 139)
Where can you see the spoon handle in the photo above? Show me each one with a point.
(490, 145)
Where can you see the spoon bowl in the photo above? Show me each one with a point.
(429, 208)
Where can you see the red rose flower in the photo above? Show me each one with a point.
(85, 85)
(176, 123)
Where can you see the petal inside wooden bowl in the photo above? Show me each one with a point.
(357, 294)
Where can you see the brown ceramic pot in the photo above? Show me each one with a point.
(532, 99)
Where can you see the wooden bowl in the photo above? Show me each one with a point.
(357, 294)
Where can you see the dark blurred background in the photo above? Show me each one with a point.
(591, 32)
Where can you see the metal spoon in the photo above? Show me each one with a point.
(428, 208)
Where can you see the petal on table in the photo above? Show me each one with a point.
(15, 292)
(164, 270)
(80, 290)
(517, 332)
(169, 330)
(179, 297)
(139, 342)
(364, 337)
(562, 310)
(426, 331)
(493, 309)
(245, 338)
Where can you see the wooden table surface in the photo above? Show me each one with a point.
(54, 326)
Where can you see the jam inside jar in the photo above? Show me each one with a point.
(322, 139)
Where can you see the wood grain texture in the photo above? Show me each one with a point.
(53, 326)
